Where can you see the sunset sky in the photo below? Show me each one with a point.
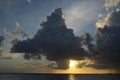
(60, 36)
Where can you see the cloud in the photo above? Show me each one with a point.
(100, 15)
(107, 43)
(1, 53)
(109, 47)
(29, 1)
(14, 41)
(17, 31)
(54, 40)
(111, 3)
(62, 64)
(86, 40)
(81, 65)
(100, 23)
(1, 40)
(58, 43)
(112, 19)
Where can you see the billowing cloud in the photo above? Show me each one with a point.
(107, 43)
(54, 40)
(111, 3)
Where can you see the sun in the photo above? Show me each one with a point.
(72, 64)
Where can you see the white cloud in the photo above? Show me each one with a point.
(111, 3)
(17, 33)
(29, 1)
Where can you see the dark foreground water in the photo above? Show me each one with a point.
(57, 77)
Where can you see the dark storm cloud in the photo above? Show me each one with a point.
(1, 40)
(54, 40)
(108, 47)
(108, 44)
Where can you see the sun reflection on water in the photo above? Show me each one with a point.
(71, 77)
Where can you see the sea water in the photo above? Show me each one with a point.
(58, 77)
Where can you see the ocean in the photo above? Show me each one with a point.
(58, 77)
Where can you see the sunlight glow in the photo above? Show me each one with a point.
(72, 64)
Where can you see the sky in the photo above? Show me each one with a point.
(59, 36)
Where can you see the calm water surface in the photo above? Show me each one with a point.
(57, 77)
